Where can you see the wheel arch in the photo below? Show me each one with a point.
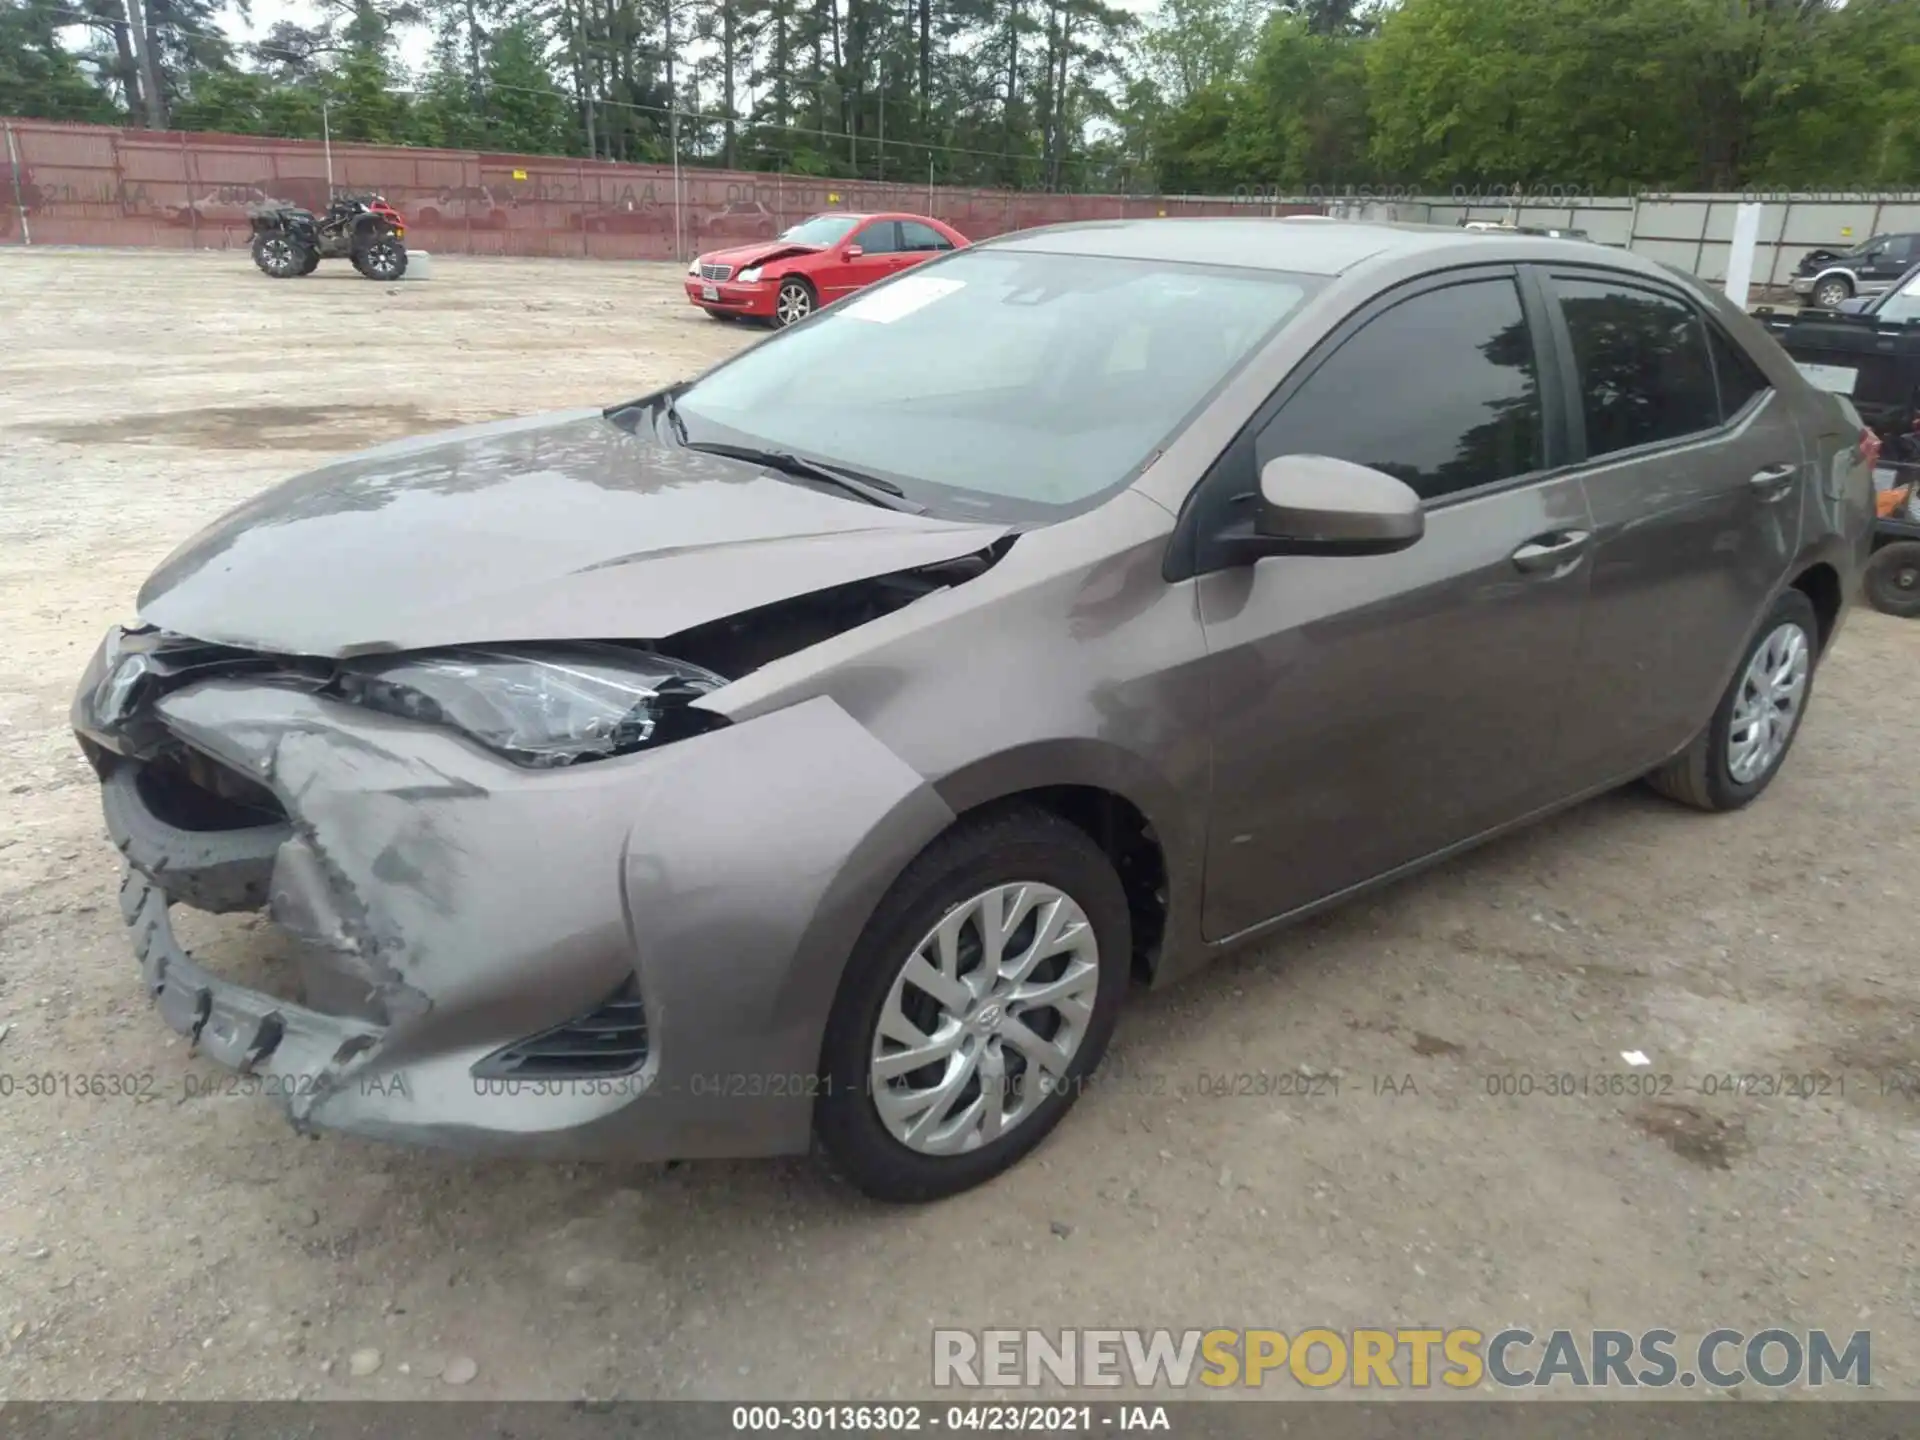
(1119, 803)
(1820, 583)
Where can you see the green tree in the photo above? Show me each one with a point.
(1190, 45)
(524, 109)
(38, 75)
(364, 96)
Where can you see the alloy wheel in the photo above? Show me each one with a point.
(1772, 695)
(1830, 293)
(276, 255)
(382, 260)
(793, 304)
(984, 1018)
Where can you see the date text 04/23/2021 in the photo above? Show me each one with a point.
(983, 1417)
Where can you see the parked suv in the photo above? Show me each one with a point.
(1827, 277)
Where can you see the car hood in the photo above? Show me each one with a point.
(564, 526)
(760, 252)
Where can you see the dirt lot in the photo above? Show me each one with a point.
(195, 1247)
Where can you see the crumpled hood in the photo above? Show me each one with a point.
(556, 527)
(1816, 260)
(760, 252)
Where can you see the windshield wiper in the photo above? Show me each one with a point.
(870, 488)
(673, 415)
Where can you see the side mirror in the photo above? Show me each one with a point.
(1317, 505)
(852, 252)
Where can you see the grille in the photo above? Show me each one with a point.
(610, 1039)
(716, 272)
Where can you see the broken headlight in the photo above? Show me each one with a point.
(555, 705)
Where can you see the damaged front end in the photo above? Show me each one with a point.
(339, 796)
(542, 901)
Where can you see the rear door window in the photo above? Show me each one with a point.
(1740, 379)
(1642, 366)
(915, 236)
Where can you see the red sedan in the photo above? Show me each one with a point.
(813, 263)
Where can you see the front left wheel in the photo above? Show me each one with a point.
(794, 302)
(1832, 292)
(383, 259)
(980, 997)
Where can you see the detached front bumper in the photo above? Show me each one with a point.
(730, 297)
(457, 914)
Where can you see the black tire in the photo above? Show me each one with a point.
(1017, 843)
(384, 258)
(282, 257)
(1700, 775)
(1893, 579)
(794, 302)
(1828, 294)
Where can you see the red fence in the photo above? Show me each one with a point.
(95, 185)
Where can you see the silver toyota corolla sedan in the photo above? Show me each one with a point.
(825, 746)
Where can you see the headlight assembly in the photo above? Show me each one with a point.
(542, 707)
(693, 267)
(749, 276)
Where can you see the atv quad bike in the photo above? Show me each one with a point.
(290, 241)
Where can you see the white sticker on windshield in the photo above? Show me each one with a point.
(903, 297)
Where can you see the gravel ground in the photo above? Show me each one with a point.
(185, 1243)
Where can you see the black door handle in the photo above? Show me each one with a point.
(1552, 551)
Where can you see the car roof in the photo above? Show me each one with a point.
(1303, 244)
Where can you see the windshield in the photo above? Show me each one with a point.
(1903, 306)
(821, 230)
(998, 383)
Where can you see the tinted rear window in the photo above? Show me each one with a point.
(1644, 371)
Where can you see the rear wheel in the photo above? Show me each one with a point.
(283, 257)
(794, 303)
(980, 997)
(1741, 750)
(382, 259)
(1893, 579)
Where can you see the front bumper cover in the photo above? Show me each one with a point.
(732, 297)
(450, 903)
